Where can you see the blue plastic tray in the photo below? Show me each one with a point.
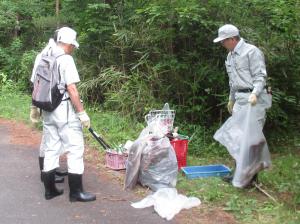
(192, 172)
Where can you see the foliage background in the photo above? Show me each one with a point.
(136, 55)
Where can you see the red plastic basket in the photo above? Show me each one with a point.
(115, 161)
(181, 147)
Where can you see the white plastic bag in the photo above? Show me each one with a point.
(167, 202)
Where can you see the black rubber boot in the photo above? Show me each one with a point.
(76, 189)
(49, 182)
(228, 178)
(252, 182)
(255, 179)
(61, 173)
(41, 163)
(58, 178)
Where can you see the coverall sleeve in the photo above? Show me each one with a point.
(36, 62)
(70, 72)
(258, 70)
(229, 72)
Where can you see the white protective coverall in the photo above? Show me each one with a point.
(62, 128)
(242, 133)
(46, 51)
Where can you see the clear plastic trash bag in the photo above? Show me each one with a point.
(151, 162)
(152, 159)
(158, 167)
(242, 135)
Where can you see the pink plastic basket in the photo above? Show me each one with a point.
(115, 161)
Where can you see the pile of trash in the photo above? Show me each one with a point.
(152, 162)
(151, 159)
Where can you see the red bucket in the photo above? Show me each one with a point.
(181, 147)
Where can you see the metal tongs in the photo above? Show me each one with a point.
(99, 139)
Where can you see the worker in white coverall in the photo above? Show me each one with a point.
(63, 126)
(35, 112)
(246, 69)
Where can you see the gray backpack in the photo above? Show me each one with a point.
(47, 92)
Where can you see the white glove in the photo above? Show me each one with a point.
(252, 99)
(84, 119)
(230, 106)
(35, 114)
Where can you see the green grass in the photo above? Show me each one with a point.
(282, 181)
(14, 105)
(114, 128)
(250, 205)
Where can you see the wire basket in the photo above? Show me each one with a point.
(166, 117)
(169, 113)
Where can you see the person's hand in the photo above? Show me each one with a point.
(84, 119)
(230, 106)
(252, 99)
(35, 114)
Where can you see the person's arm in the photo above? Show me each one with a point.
(74, 96)
(35, 113)
(258, 73)
(258, 70)
(231, 99)
(75, 99)
(229, 73)
(71, 77)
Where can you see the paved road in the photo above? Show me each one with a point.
(22, 200)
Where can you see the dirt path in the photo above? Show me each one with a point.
(113, 203)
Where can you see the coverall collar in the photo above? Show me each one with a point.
(59, 50)
(237, 49)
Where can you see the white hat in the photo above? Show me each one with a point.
(226, 31)
(68, 36)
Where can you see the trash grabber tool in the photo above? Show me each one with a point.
(99, 139)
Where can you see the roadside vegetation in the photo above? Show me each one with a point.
(135, 56)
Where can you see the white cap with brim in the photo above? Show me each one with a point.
(68, 36)
(226, 31)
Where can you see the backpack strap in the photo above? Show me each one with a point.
(57, 56)
(58, 69)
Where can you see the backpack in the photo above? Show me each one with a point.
(47, 93)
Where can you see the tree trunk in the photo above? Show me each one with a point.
(57, 12)
(17, 26)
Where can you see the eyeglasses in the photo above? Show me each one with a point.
(222, 41)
